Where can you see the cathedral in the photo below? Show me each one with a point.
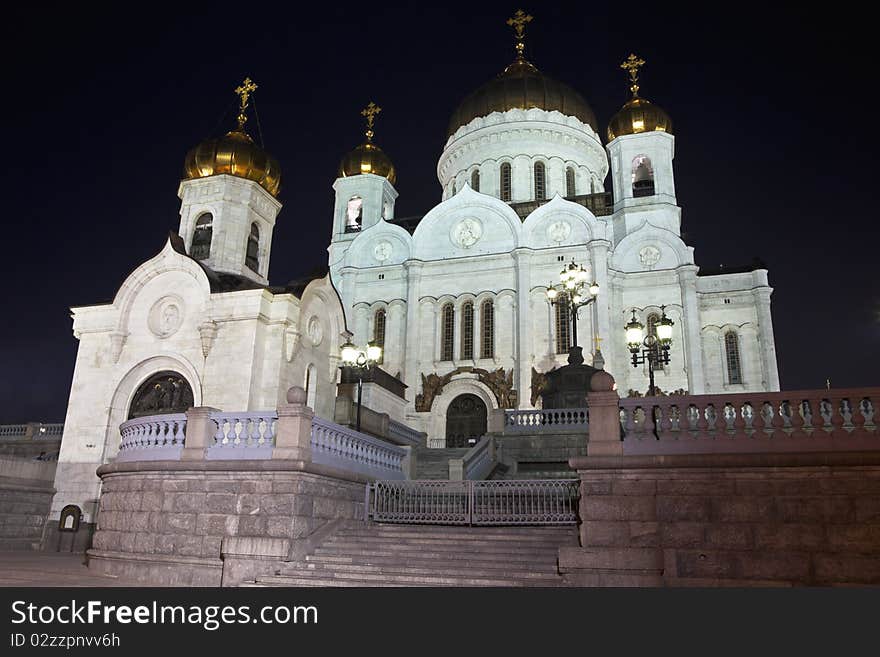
(457, 298)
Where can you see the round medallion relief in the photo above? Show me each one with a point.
(559, 231)
(466, 233)
(382, 251)
(166, 316)
(315, 330)
(649, 256)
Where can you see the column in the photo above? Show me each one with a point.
(693, 352)
(522, 259)
(766, 339)
(603, 303)
(410, 361)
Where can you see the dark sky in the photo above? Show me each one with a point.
(775, 144)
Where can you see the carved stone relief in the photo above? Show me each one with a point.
(166, 316)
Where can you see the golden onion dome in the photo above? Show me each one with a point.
(235, 153)
(368, 158)
(521, 86)
(637, 115)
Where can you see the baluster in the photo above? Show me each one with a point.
(816, 419)
(778, 422)
(739, 421)
(629, 422)
(254, 436)
(797, 419)
(720, 421)
(858, 418)
(835, 406)
(665, 412)
(180, 435)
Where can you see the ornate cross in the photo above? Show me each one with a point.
(632, 64)
(244, 91)
(370, 111)
(518, 23)
(597, 340)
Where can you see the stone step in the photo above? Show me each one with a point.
(370, 579)
(449, 568)
(355, 554)
(463, 535)
(454, 545)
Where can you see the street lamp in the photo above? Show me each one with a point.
(574, 291)
(361, 360)
(651, 349)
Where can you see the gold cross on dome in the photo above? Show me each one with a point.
(632, 64)
(518, 23)
(597, 340)
(244, 91)
(370, 111)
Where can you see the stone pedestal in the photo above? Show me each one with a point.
(603, 401)
(200, 430)
(293, 436)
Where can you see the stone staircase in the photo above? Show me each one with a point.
(430, 555)
(434, 463)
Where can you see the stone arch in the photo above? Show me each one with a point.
(466, 384)
(128, 386)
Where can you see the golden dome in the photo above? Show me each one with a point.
(521, 86)
(637, 115)
(235, 154)
(368, 158)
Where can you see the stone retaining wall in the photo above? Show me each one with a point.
(163, 523)
(728, 520)
(25, 495)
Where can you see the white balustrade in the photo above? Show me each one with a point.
(13, 430)
(342, 447)
(549, 420)
(152, 438)
(243, 435)
(480, 459)
(404, 435)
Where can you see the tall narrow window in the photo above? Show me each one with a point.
(354, 214)
(447, 330)
(252, 258)
(379, 330)
(475, 181)
(467, 330)
(569, 182)
(505, 182)
(540, 182)
(311, 386)
(563, 325)
(642, 176)
(201, 241)
(731, 349)
(487, 330)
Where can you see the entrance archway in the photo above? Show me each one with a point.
(165, 392)
(466, 421)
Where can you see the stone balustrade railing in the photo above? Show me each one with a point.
(344, 448)
(153, 438)
(807, 420)
(245, 435)
(405, 435)
(549, 420)
(477, 462)
(31, 430)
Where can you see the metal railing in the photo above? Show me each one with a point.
(549, 420)
(765, 421)
(153, 438)
(345, 448)
(502, 502)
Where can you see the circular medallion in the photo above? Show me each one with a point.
(382, 251)
(559, 231)
(315, 330)
(166, 316)
(466, 233)
(649, 256)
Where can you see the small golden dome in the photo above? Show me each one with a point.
(235, 154)
(368, 158)
(638, 115)
(521, 86)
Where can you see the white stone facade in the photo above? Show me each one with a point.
(474, 247)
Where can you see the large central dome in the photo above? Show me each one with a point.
(522, 86)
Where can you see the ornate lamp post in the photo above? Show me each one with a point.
(574, 292)
(361, 360)
(651, 349)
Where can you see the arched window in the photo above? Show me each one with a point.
(487, 330)
(447, 330)
(475, 181)
(467, 330)
(354, 214)
(540, 182)
(379, 330)
(454, 191)
(569, 182)
(311, 386)
(731, 351)
(563, 325)
(505, 182)
(642, 176)
(252, 258)
(201, 241)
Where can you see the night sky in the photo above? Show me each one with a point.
(775, 144)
